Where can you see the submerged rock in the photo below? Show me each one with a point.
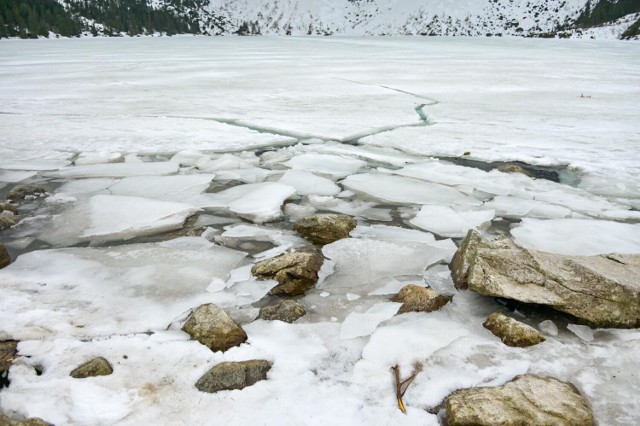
(296, 271)
(22, 192)
(34, 421)
(8, 353)
(233, 375)
(415, 298)
(526, 400)
(96, 367)
(284, 310)
(514, 168)
(325, 228)
(212, 327)
(5, 259)
(6, 222)
(8, 207)
(511, 332)
(602, 291)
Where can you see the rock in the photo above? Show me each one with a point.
(415, 298)
(6, 222)
(8, 207)
(284, 310)
(96, 367)
(5, 259)
(22, 192)
(195, 232)
(34, 421)
(233, 375)
(296, 271)
(8, 352)
(514, 168)
(325, 228)
(511, 332)
(526, 400)
(212, 327)
(601, 291)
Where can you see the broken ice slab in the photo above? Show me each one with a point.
(98, 157)
(258, 202)
(168, 188)
(103, 218)
(401, 190)
(332, 165)
(160, 168)
(112, 290)
(577, 236)
(307, 183)
(447, 222)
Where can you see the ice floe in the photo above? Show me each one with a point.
(447, 222)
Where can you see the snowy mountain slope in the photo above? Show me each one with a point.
(398, 17)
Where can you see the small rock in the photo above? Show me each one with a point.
(296, 271)
(233, 375)
(212, 327)
(8, 352)
(21, 192)
(415, 298)
(548, 327)
(5, 259)
(6, 222)
(96, 367)
(514, 168)
(325, 228)
(284, 310)
(526, 400)
(34, 421)
(8, 207)
(511, 332)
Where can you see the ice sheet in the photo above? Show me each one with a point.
(307, 183)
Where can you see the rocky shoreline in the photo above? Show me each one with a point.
(290, 263)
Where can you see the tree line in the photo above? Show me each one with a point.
(606, 11)
(34, 18)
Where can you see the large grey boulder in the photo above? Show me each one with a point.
(233, 375)
(5, 259)
(325, 228)
(96, 367)
(284, 310)
(602, 291)
(527, 400)
(212, 327)
(415, 298)
(512, 332)
(296, 271)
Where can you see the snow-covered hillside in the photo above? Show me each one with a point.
(396, 17)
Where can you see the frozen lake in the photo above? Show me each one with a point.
(136, 137)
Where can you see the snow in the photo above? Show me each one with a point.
(246, 128)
